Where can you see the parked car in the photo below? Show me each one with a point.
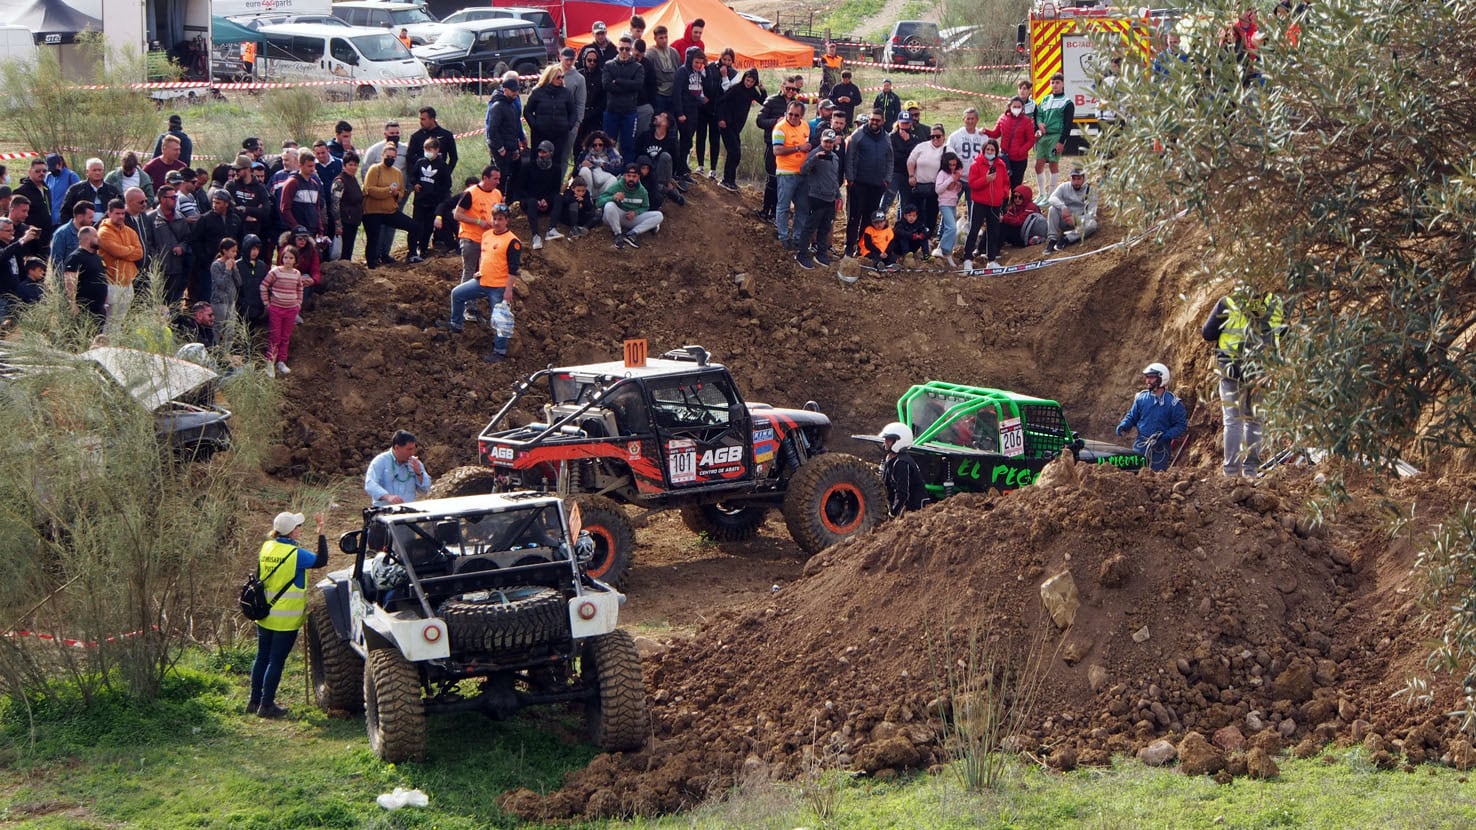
(418, 23)
(762, 22)
(548, 30)
(484, 49)
(913, 43)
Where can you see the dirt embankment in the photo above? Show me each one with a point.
(1206, 605)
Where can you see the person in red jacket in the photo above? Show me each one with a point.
(1015, 130)
(1023, 223)
(693, 37)
(989, 188)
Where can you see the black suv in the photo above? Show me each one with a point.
(913, 43)
(484, 49)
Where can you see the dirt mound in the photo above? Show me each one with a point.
(368, 358)
(1206, 607)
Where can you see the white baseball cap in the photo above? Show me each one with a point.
(285, 523)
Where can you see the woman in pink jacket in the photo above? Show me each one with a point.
(989, 188)
(1016, 133)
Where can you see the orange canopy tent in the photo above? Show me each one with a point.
(725, 29)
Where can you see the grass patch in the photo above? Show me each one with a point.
(842, 22)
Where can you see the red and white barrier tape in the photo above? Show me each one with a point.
(67, 641)
(250, 85)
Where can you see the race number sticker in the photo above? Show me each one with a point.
(1011, 437)
(681, 461)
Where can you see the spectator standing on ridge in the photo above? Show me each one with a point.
(384, 190)
(85, 277)
(59, 179)
(889, 104)
(282, 567)
(791, 143)
(431, 184)
(869, 169)
(282, 293)
(505, 139)
(121, 251)
(474, 214)
(1054, 116)
(692, 107)
(769, 115)
(186, 146)
(623, 79)
(372, 155)
(38, 193)
(431, 128)
(172, 235)
(989, 191)
(662, 62)
(342, 141)
(346, 204)
(716, 81)
(949, 185)
(830, 70)
(1241, 325)
(822, 172)
(1016, 133)
(579, 92)
(167, 162)
(129, 174)
(1158, 416)
(601, 47)
(500, 265)
(731, 113)
(397, 476)
(552, 113)
(846, 96)
(65, 239)
(594, 97)
(923, 164)
(94, 188)
(693, 37)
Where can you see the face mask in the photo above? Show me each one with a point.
(389, 161)
(1016, 110)
(431, 155)
(989, 155)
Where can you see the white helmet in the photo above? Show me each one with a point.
(901, 432)
(1158, 369)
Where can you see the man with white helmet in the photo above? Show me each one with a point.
(900, 473)
(1158, 416)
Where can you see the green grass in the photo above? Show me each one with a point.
(843, 21)
(193, 760)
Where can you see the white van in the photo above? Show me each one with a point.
(315, 52)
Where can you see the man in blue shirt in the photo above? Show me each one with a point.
(396, 476)
(1158, 415)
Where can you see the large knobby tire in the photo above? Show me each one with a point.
(337, 671)
(832, 498)
(393, 710)
(725, 523)
(614, 538)
(618, 721)
(509, 620)
(464, 481)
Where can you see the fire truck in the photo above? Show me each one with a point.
(1060, 40)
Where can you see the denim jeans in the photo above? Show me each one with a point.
(948, 233)
(621, 127)
(272, 649)
(469, 292)
(787, 187)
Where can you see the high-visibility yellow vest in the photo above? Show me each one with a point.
(287, 612)
(1266, 313)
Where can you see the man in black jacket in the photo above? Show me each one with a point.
(623, 78)
(769, 115)
(431, 128)
(35, 189)
(900, 472)
(252, 200)
(505, 139)
(541, 180)
(602, 48)
(846, 95)
(92, 189)
(868, 159)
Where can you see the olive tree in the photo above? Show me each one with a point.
(1336, 169)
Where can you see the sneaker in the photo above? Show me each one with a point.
(712, 175)
(471, 317)
(805, 260)
(679, 199)
(968, 265)
(948, 258)
(890, 268)
(537, 243)
(271, 711)
(1052, 246)
(938, 251)
(298, 321)
(553, 233)
(415, 259)
(621, 243)
(282, 368)
(494, 357)
(822, 256)
(700, 171)
(251, 707)
(681, 185)
(927, 256)
(630, 239)
(449, 325)
(1033, 241)
(577, 233)
(727, 185)
(271, 369)
(994, 265)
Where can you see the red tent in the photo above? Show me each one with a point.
(725, 29)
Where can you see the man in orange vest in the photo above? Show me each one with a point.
(405, 37)
(830, 69)
(248, 58)
(501, 258)
(474, 213)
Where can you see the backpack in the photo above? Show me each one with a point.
(254, 603)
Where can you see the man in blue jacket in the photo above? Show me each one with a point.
(1158, 415)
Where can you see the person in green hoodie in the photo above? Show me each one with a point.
(626, 208)
(1054, 116)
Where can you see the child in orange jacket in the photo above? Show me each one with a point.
(876, 243)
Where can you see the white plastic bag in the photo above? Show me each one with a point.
(502, 319)
(402, 797)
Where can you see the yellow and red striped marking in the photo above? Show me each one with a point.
(1046, 35)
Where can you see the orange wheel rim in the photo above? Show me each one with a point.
(842, 508)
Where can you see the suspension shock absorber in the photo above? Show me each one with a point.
(794, 450)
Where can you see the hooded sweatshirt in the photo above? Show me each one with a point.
(1015, 214)
(1016, 134)
(686, 41)
(663, 63)
(634, 199)
(688, 97)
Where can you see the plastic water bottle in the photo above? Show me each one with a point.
(502, 319)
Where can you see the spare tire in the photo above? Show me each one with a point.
(464, 481)
(512, 619)
(831, 498)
